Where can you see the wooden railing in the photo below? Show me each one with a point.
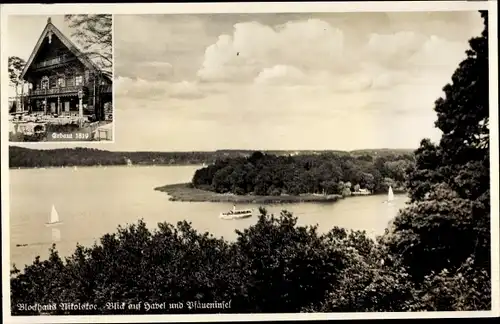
(107, 88)
(41, 92)
(54, 61)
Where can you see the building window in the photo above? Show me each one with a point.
(45, 83)
(70, 81)
(61, 82)
(52, 82)
(79, 80)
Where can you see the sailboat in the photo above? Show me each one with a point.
(390, 195)
(236, 214)
(54, 217)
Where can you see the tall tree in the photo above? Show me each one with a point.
(463, 115)
(16, 65)
(449, 220)
(94, 34)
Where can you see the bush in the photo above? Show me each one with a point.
(466, 289)
(274, 266)
(369, 282)
(284, 267)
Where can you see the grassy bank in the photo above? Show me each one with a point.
(184, 192)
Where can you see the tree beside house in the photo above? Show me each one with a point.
(16, 66)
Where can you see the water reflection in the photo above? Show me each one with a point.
(56, 235)
(100, 199)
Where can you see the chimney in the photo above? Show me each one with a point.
(49, 21)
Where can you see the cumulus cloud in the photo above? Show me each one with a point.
(280, 74)
(393, 49)
(368, 77)
(148, 70)
(137, 88)
(316, 52)
(253, 47)
(156, 65)
(437, 52)
(185, 90)
(156, 90)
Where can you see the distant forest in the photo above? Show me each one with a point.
(326, 173)
(20, 157)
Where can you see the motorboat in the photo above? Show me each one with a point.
(236, 214)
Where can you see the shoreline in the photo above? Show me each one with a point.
(182, 192)
(103, 165)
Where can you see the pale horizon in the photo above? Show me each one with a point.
(52, 146)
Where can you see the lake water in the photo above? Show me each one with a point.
(93, 201)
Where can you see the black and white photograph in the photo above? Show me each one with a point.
(331, 163)
(60, 78)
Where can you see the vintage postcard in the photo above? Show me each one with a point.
(60, 78)
(271, 161)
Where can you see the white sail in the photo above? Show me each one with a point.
(390, 195)
(54, 216)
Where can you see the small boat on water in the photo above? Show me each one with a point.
(54, 217)
(237, 214)
(390, 196)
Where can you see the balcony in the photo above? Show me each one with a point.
(106, 88)
(57, 91)
(55, 61)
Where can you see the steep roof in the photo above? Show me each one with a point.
(50, 28)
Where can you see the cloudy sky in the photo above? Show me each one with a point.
(283, 81)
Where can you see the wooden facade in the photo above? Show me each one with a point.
(63, 81)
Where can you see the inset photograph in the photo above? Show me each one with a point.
(60, 78)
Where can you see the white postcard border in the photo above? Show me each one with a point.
(198, 8)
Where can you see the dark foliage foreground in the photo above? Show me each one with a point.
(273, 266)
